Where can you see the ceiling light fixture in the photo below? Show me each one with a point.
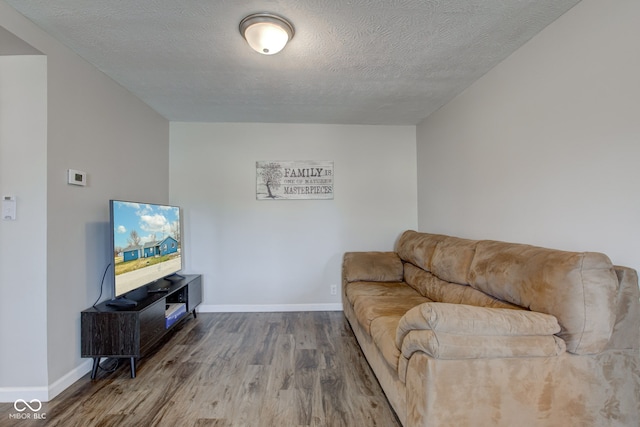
(266, 33)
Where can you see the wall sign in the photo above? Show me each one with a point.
(294, 180)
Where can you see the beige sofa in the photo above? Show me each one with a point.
(484, 333)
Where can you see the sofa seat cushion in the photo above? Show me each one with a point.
(358, 289)
(383, 333)
(368, 308)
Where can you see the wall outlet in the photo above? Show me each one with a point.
(333, 289)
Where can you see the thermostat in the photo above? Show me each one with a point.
(8, 208)
(77, 177)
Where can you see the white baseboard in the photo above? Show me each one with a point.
(44, 393)
(263, 308)
(71, 377)
(11, 394)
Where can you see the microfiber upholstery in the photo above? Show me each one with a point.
(461, 319)
(436, 289)
(372, 266)
(444, 345)
(464, 332)
(418, 248)
(369, 308)
(378, 289)
(383, 332)
(578, 288)
(625, 331)
(459, 331)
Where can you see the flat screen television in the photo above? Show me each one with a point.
(146, 247)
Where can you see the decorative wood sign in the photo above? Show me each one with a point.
(294, 180)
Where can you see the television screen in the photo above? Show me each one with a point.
(146, 243)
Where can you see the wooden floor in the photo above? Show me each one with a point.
(234, 369)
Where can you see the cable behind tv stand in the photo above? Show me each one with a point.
(131, 331)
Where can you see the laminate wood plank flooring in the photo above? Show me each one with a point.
(233, 370)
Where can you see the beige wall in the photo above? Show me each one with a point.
(94, 125)
(544, 148)
(284, 255)
(23, 255)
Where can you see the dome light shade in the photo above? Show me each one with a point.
(266, 33)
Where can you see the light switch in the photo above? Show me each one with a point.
(8, 208)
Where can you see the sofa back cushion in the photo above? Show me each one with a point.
(449, 258)
(439, 290)
(579, 289)
(418, 248)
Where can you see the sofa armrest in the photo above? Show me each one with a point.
(458, 331)
(372, 267)
(442, 345)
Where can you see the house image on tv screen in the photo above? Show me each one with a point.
(166, 246)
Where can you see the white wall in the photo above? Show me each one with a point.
(544, 149)
(23, 255)
(272, 255)
(94, 125)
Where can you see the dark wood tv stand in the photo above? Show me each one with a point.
(129, 332)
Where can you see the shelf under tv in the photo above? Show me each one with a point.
(131, 331)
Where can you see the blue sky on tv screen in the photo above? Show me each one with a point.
(151, 222)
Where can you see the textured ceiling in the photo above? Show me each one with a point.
(351, 61)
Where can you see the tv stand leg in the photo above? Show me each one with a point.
(94, 369)
(133, 367)
(195, 316)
